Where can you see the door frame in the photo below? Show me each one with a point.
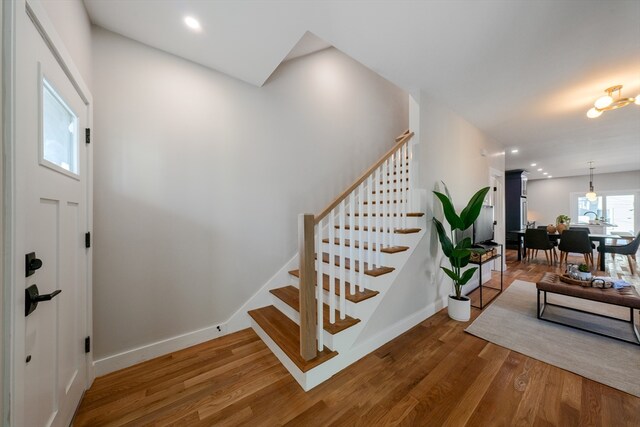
(16, 15)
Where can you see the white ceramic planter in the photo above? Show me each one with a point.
(584, 275)
(459, 310)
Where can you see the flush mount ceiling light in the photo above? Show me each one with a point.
(591, 195)
(192, 23)
(608, 102)
(514, 151)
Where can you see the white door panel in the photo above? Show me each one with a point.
(51, 207)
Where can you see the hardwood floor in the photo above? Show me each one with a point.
(434, 374)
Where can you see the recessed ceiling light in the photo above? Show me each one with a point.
(545, 173)
(514, 151)
(550, 176)
(533, 164)
(539, 169)
(192, 23)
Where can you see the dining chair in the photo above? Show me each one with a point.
(629, 250)
(536, 239)
(576, 241)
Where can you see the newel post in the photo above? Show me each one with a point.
(308, 314)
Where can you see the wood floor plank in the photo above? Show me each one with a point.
(433, 374)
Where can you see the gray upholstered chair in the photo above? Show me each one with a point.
(630, 250)
(575, 241)
(586, 230)
(536, 239)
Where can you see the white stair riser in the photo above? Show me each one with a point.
(356, 310)
(338, 342)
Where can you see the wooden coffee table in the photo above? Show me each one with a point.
(626, 297)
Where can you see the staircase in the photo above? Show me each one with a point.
(349, 257)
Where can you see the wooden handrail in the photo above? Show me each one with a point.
(345, 193)
(402, 135)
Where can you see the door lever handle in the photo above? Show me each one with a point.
(32, 297)
(46, 297)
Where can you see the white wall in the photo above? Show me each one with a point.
(548, 198)
(456, 152)
(199, 178)
(74, 28)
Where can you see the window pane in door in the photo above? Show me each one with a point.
(620, 211)
(59, 131)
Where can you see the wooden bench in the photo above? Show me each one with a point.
(626, 297)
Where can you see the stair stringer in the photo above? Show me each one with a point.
(384, 320)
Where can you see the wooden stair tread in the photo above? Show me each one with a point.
(388, 250)
(397, 230)
(286, 334)
(375, 272)
(291, 296)
(407, 230)
(355, 298)
(409, 214)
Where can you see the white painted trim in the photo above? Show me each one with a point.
(149, 351)
(47, 30)
(9, 10)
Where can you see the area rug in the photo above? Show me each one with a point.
(511, 322)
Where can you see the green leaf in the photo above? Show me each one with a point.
(445, 242)
(446, 190)
(449, 211)
(470, 213)
(464, 243)
(460, 259)
(466, 276)
(451, 274)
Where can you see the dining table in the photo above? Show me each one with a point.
(600, 238)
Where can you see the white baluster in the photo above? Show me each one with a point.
(404, 186)
(341, 215)
(319, 290)
(383, 200)
(332, 270)
(397, 187)
(370, 195)
(385, 205)
(411, 177)
(352, 239)
(377, 244)
(361, 234)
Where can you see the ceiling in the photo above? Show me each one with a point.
(524, 72)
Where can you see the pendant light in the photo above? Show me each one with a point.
(591, 195)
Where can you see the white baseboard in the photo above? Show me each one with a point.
(140, 354)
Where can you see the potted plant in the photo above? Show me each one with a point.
(583, 272)
(562, 223)
(459, 254)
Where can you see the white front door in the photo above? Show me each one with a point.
(51, 165)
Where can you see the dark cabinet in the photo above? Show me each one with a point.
(515, 204)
